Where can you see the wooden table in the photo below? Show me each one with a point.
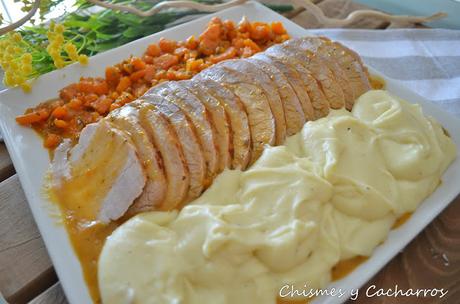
(27, 275)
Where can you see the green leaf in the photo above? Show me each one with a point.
(141, 31)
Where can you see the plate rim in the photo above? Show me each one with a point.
(365, 273)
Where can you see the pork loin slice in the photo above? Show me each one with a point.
(219, 121)
(100, 176)
(294, 79)
(307, 47)
(356, 72)
(126, 119)
(237, 116)
(316, 96)
(192, 107)
(184, 130)
(294, 115)
(163, 136)
(319, 71)
(252, 74)
(261, 120)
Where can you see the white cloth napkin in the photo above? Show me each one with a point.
(425, 60)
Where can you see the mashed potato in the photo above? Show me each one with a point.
(332, 192)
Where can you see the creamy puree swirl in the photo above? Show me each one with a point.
(331, 193)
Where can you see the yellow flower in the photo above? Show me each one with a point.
(27, 69)
(27, 58)
(8, 80)
(14, 66)
(26, 87)
(52, 25)
(59, 28)
(59, 63)
(83, 59)
(17, 37)
(59, 39)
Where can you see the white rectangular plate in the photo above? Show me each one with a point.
(31, 159)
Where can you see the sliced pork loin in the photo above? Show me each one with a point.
(185, 132)
(295, 80)
(237, 116)
(261, 119)
(311, 48)
(356, 72)
(127, 119)
(101, 175)
(196, 112)
(293, 112)
(164, 137)
(218, 117)
(254, 74)
(165, 149)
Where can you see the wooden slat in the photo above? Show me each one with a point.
(6, 166)
(25, 267)
(431, 260)
(53, 295)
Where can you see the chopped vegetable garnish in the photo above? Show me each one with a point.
(92, 98)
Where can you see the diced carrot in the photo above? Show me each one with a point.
(112, 76)
(75, 104)
(137, 75)
(208, 46)
(138, 63)
(229, 25)
(153, 50)
(147, 59)
(165, 61)
(61, 123)
(252, 45)
(59, 112)
(183, 75)
(193, 65)
(124, 83)
(191, 43)
(149, 72)
(69, 92)
(260, 30)
(211, 33)
(238, 42)
(228, 54)
(247, 52)
(170, 75)
(160, 75)
(278, 28)
(140, 90)
(52, 141)
(102, 105)
(85, 86)
(90, 98)
(244, 25)
(285, 37)
(101, 88)
(180, 51)
(166, 45)
(33, 117)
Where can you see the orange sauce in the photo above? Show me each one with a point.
(87, 240)
(343, 268)
(81, 196)
(401, 220)
(377, 82)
